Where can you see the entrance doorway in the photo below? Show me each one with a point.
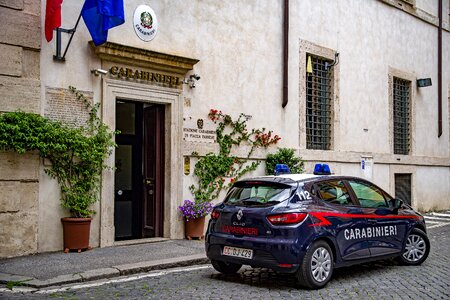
(139, 173)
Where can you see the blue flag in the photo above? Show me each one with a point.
(101, 15)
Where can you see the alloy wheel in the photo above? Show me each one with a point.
(321, 264)
(415, 248)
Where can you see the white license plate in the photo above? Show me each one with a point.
(237, 252)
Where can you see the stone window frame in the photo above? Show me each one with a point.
(409, 2)
(404, 169)
(306, 48)
(392, 72)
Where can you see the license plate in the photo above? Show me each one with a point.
(237, 252)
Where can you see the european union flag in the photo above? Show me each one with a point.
(101, 15)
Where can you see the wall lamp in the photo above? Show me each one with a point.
(423, 82)
(335, 62)
(98, 72)
(192, 80)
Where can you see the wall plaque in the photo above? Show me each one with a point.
(199, 131)
(145, 23)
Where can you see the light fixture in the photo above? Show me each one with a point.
(98, 72)
(423, 82)
(192, 80)
(335, 62)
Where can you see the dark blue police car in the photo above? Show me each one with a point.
(309, 224)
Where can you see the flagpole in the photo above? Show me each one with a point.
(58, 40)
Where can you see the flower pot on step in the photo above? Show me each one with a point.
(76, 233)
(194, 228)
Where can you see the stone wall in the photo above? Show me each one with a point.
(20, 88)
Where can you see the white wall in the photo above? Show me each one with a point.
(239, 45)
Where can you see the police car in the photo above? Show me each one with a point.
(309, 224)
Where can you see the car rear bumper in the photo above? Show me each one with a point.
(282, 255)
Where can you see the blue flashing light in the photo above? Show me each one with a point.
(282, 169)
(322, 169)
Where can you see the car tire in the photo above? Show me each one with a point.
(416, 250)
(225, 267)
(317, 266)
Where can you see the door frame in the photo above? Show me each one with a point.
(112, 90)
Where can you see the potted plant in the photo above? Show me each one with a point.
(194, 215)
(76, 156)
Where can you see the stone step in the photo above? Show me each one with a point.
(444, 215)
(437, 219)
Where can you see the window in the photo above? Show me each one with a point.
(368, 195)
(402, 115)
(403, 187)
(257, 193)
(318, 103)
(334, 192)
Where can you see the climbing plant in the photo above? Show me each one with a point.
(212, 169)
(76, 154)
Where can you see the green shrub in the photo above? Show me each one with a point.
(284, 156)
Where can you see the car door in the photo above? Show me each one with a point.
(386, 229)
(346, 218)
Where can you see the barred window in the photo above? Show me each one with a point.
(402, 115)
(318, 103)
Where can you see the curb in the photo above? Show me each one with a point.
(102, 273)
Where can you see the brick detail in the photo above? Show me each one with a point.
(20, 93)
(14, 4)
(11, 58)
(20, 28)
(21, 237)
(15, 166)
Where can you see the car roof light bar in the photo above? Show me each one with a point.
(282, 169)
(322, 169)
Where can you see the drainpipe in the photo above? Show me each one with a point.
(285, 52)
(440, 70)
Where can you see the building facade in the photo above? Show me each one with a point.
(350, 99)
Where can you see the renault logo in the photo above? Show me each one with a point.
(239, 215)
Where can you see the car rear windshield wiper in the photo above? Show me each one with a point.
(251, 201)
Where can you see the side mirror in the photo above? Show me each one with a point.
(396, 204)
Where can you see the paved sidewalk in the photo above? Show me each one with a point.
(57, 268)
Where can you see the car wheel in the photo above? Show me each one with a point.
(417, 248)
(225, 267)
(317, 266)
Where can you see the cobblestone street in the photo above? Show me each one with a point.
(380, 280)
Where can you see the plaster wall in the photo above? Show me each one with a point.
(239, 45)
(432, 192)
(362, 31)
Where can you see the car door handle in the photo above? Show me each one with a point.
(372, 221)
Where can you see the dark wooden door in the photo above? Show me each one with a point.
(153, 171)
(128, 172)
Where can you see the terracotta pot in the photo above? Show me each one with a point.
(194, 228)
(76, 233)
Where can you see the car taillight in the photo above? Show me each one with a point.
(215, 215)
(286, 219)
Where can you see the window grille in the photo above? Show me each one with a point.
(402, 96)
(318, 103)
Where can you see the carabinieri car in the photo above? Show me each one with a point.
(310, 224)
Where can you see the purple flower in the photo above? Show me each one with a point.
(195, 210)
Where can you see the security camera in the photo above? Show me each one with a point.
(195, 76)
(98, 72)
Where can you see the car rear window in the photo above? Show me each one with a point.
(258, 193)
